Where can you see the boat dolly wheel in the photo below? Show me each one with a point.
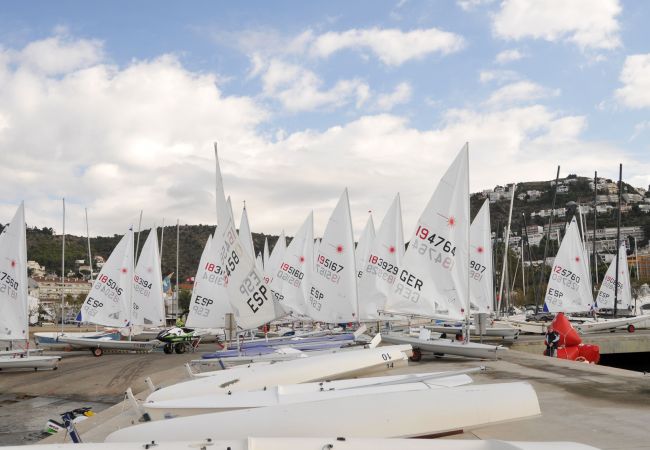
(631, 328)
(168, 349)
(97, 351)
(180, 347)
(416, 356)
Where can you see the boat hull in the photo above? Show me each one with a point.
(446, 346)
(257, 376)
(455, 409)
(109, 344)
(29, 362)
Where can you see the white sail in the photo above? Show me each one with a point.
(259, 262)
(109, 301)
(245, 234)
(248, 295)
(266, 254)
(209, 304)
(148, 303)
(274, 261)
(605, 298)
(14, 302)
(432, 280)
(363, 246)
(290, 278)
(568, 288)
(380, 267)
(333, 293)
(481, 290)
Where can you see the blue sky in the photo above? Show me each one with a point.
(115, 104)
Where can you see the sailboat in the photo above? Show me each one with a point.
(14, 302)
(606, 294)
(433, 279)
(110, 302)
(378, 269)
(333, 292)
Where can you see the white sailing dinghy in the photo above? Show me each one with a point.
(14, 301)
(323, 367)
(275, 259)
(109, 302)
(292, 274)
(455, 409)
(569, 289)
(379, 268)
(481, 291)
(339, 443)
(605, 298)
(306, 392)
(148, 302)
(332, 297)
(433, 280)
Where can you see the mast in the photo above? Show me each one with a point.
(63, 270)
(90, 257)
(595, 255)
(494, 265)
(618, 233)
(162, 235)
(523, 276)
(178, 228)
(530, 255)
(469, 215)
(131, 290)
(548, 236)
(505, 252)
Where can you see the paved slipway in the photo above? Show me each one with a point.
(601, 406)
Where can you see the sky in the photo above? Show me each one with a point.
(116, 105)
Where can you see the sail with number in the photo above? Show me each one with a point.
(209, 304)
(363, 246)
(249, 297)
(333, 292)
(109, 301)
(432, 280)
(481, 292)
(13, 279)
(380, 267)
(293, 273)
(605, 298)
(568, 288)
(148, 303)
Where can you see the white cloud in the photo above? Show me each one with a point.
(586, 23)
(635, 77)
(469, 5)
(520, 92)
(139, 137)
(299, 89)
(498, 76)
(640, 128)
(401, 95)
(507, 56)
(392, 47)
(59, 54)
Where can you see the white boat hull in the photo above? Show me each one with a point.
(337, 443)
(109, 344)
(300, 393)
(29, 362)
(50, 339)
(592, 326)
(446, 346)
(423, 413)
(258, 376)
(505, 332)
(527, 327)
